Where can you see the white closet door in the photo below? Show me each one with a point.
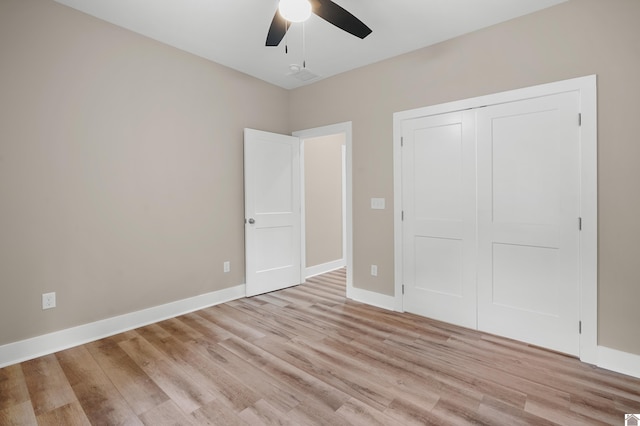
(528, 212)
(439, 246)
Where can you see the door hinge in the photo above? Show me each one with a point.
(579, 327)
(402, 216)
(401, 141)
(402, 288)
(579, 119)
(579, 224)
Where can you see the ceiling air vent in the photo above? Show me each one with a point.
(302, 74)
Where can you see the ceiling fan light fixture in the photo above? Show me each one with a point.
(295, 10)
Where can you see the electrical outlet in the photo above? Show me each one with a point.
(227, 266)
(374, 270)
(48, 300)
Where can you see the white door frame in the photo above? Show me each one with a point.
(333, 129)
(586, 86)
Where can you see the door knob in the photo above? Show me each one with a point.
(252, 221)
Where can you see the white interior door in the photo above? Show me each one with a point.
(272, 211)
(528, 213)
(439, 241)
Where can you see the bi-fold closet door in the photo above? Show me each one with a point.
(439, 208)
(491, 202)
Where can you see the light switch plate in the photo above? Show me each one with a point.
(374, 270)
(377, 203)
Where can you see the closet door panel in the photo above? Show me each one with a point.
(438, 162)
(528, 209)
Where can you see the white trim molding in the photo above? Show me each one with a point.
(371, 298)
(323, 268)
(46, 344)
(587, 89)
(618, 361)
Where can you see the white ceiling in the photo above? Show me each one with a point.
(233, 32)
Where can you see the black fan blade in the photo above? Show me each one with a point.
(277, 30)
(341, 18)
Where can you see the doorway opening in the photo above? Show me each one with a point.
(325, 158)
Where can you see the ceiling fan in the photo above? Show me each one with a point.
(327, 10)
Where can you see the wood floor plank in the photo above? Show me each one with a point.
(263, 322)
(218, 413)
(334, 374)
(48, 387)
(356, 412)
(205, 327)
(13, 388)
(447, 372)
(287, 299)
(20, 414)
(411, 413)
(202, 370)
(180, 330)
(406, 387)
(69, 414)
(233, 325)
(135, 386)
(276, 392)
(177, 384)
(99, 398)
(299, 379)
(278, 323)
(313, 412)
(263, 413)
(308, 356)
(497, 412)
(602, 409)
(167, 414)
(270, 299)
(558, 413)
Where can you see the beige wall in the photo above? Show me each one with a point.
(323, 198)
(120, 169)
(577, 38)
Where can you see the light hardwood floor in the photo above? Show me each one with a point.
(305, 355)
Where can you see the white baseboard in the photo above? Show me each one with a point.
(13, 353)
(618, 361)
(371, 298)
(323, 268)
(24, 350)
